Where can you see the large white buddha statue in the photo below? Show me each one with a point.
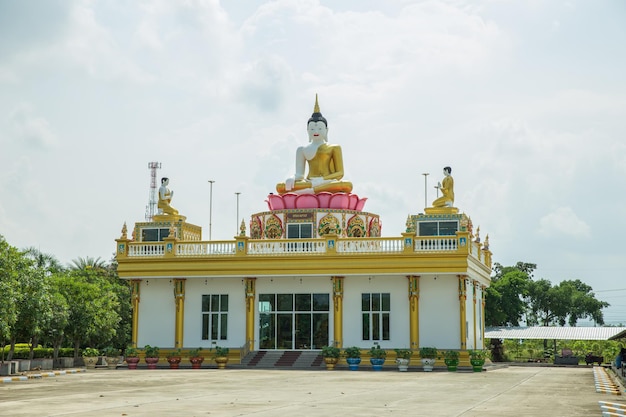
(325, 162)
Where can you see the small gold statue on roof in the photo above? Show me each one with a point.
(124, 232)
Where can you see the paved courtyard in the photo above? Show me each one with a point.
(505, 391)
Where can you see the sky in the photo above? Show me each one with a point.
(525, 100)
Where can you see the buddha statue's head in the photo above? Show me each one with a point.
(317, 124)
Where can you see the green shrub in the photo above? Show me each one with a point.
(352, 352)
(428, 353)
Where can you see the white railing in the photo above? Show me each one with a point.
(290, 247)
(205, 248)
(146, 249)
(435, 244)
(363, 245)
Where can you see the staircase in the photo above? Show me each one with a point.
(296, 359)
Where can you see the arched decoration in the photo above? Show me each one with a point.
(255, 228)
(375, 227)
(273, 228)
(328, 224)
(356, 227)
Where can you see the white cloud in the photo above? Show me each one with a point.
(32, 130)
(563, 222)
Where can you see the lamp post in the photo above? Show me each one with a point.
(425, 174)
(237, 228)
(210, 206)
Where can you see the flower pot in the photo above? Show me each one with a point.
(477, 364)
(90, 361)
(377, 363)
(452, 364)
(174, 362)
(353, 363)
(132, 362)
(152, 362)
(403, 364)
(196, 362)
(112, 362)
(221, 362)
(330, 363)
(428, 364)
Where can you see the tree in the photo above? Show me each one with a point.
(506, 297)
(45, 261)
(82, 264)
(12, 262)
(564, 303)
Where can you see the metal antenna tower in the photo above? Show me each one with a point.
(151, 208)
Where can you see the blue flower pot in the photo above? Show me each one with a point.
(377, 363)
(353, 363)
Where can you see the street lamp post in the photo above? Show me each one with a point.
(425, 189)
(237, 228)
(210, 206)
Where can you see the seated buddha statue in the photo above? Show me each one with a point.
(165, 198)
(325, 162)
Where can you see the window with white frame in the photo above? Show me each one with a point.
(215, 317)
(375, 310)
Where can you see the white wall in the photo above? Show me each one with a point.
(397, 286)
(439, 314)
(195, 288)
(157, 313)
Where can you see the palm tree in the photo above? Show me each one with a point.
(81, 264)
(47, 262)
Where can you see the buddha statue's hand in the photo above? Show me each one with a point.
(315, 181)
(289, 183)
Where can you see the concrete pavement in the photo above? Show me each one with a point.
(504, 391)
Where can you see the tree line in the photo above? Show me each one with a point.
(514, 297)
(42, 302)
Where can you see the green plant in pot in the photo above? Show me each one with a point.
(403, 358)
(451, 359)
(221, 356)
(132, 357)
(174, 358)
(377, 357)
(151, 356)
(112, 356)
(90, 357)
(331, 356)
(428, 357)
(477, 359)
(353, 357)
(196, 358)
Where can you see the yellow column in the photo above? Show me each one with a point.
(250, 294)
(474, 288)
(414, 311)
(462, 315)
(179, 297)
(338, 314)
(482, 296)
(135, 286)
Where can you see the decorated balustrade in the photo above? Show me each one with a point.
(408, 244)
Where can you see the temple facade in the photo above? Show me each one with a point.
(310, 270)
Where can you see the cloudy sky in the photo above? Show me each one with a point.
(526, 100)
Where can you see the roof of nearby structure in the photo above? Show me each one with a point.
(559, 333)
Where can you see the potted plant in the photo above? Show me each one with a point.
(221, 357)
(331, 356)
(451, 359)
(428, 357)
(377, 357)
(353, 357)
(112, 356)
(173, 358)
(152, 356)
(477, 359)
(90, 356)
(195, 358)
(403, 358)
(132, 357)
